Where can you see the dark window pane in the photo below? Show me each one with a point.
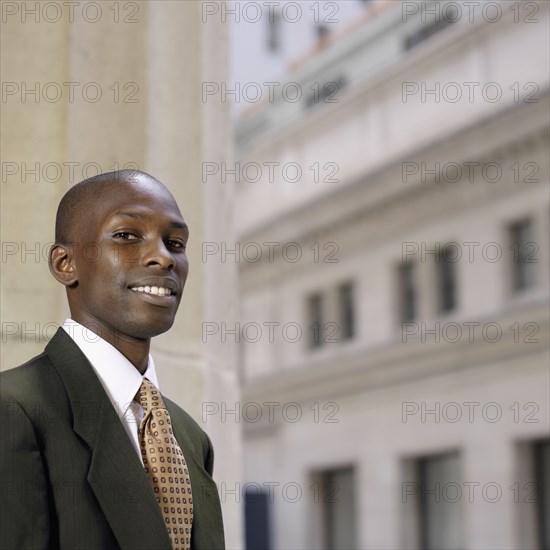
(256, 514)
(440, 502)
(322, 32)
(326, 92)
(524, 255)
(542, 476)
(347, 313)
(426, 31)
(338, 496)
(407, 292)
(447, 279)
(274, 31)
(315, 316)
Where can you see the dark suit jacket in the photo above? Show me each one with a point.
(70, 476)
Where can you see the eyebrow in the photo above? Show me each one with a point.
(139, 216)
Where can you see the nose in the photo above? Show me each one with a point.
(157, 254)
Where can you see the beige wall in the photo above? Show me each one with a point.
(156, 61)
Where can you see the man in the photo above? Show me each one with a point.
(92, 456)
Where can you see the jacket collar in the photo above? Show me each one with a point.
(116, 474)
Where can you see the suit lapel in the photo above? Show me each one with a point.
(116, 474)
(207, 520)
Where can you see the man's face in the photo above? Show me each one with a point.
(131, 262)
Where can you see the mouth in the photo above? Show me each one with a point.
(154, 290)
(159, 291)
(162, 296)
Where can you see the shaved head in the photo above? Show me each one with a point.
(120, 252)
(82, 199)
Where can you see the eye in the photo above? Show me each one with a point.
(125, 235)
(176, 244)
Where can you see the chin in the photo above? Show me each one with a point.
(146, 329)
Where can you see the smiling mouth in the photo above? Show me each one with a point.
(153, 290)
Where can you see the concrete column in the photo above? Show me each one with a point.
(148, 64)
(33, 132)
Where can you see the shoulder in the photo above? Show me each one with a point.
(26, 379)
(38, 377)
(33, 387)
(184, 423)
(182, 417)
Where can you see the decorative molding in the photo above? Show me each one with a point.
(399, 363)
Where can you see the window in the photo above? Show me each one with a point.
(523, 255)
(325, 93)
(256, 514)
(347, 313)
(407, 292)
(315, 316)
(274, 31)
(542, 485)
(337, 495)
(439, 506)
(321, 32)
(449, 16)
(446, 266)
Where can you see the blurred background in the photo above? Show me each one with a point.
(364, 332)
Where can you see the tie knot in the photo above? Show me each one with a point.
(148, 396)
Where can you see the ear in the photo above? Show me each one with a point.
(61, 264)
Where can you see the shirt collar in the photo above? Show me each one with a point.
(120, 379)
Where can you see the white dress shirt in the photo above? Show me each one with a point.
(120, 379)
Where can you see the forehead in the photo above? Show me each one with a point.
(148, 197)
(147, 200)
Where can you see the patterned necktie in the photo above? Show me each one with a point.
(165, 466)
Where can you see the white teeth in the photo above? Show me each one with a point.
(155, 290)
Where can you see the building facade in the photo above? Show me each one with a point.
(392, 244)
(91, 87)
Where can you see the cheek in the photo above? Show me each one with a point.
(105, 278)
(183, 267)
(124, 256)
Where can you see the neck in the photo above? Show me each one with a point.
(136, 350)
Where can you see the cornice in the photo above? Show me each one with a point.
(399, 363)
(380, 207)
(527, 120)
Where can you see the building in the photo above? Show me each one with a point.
(392, 244)
(90, 87)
